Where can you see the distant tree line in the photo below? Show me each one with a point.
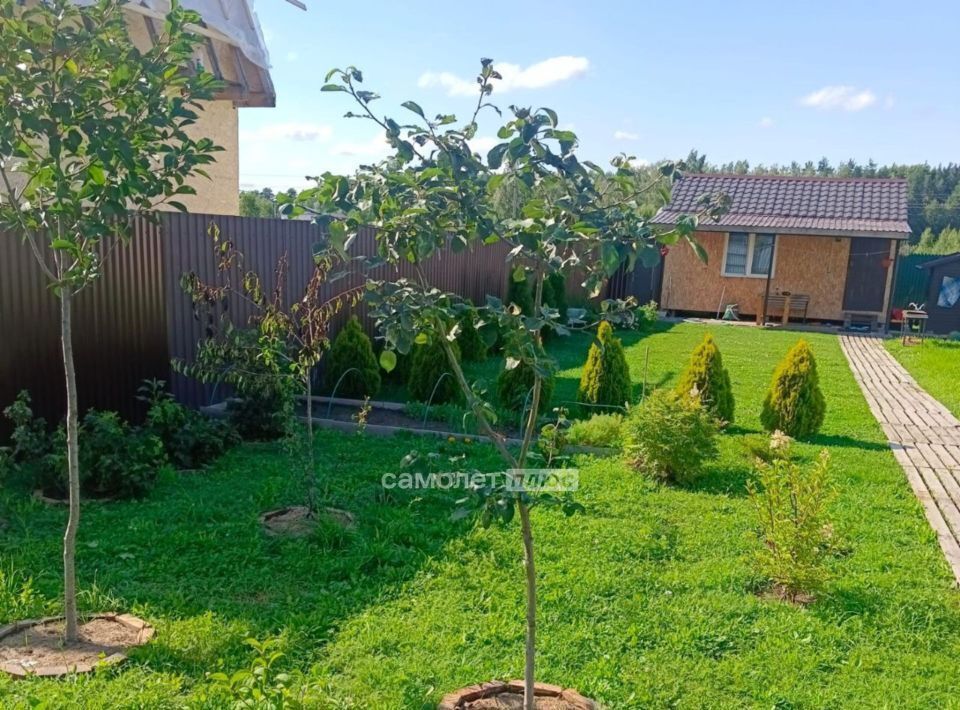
(261, 203)
(933, 202)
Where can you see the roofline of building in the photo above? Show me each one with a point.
(811, 178)
(948, 259)
(799, 231)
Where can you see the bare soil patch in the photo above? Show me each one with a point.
(497, 695)
(298, 521)
(37, 647)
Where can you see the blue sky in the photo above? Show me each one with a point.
(768, 82)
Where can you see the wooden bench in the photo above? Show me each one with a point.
(799, 303)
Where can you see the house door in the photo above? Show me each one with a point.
(866, 274)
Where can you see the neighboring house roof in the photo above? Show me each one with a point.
(933, 263)
(234, 50)
(795, 205)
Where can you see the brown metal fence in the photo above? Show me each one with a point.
(130, 324)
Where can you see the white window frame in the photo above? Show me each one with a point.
(751, 243)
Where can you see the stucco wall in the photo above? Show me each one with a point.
(219, 122)
(815, 266)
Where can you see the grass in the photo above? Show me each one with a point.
(647, 600)
(935, 366)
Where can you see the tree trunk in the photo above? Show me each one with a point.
(531, 644)
(311, 477)
(73, 469)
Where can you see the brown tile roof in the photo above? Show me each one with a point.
(846, 206)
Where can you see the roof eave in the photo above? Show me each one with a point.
(890, 234)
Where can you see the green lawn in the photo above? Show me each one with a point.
(648, 600)
(935, 366)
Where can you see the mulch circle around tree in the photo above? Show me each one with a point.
(498, 695)
(35, 648)
(299, 521)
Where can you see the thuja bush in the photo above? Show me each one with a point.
(351, 358)
(519, 292)
(790, 502)
(606, 375)
(473, 347)
(795, 404)
(428, 365)
(555, 294)
(515, 385)
(706, 378)
(670, 436)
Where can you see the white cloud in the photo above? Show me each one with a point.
(765, 122)
(536, 76)
(845, 98)
(483, 144)
(301, 132)
(626, 136)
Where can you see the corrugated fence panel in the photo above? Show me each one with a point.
(119, 328)
(133, 321)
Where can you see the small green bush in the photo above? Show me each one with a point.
(795, 536)
(647, 315)
(473, 348)
(262, 413)
(670, 436)
(603, 430)
(795, 404)
(520, 293)
(189, 438)
(116, 459)
(514, 386)
(606, 375)
(427, 365)
(352, 353)
(708, 378)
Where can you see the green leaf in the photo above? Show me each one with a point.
(332, 87)
(388, 360)
(495, 156)
(61, 244)
(413, 106)
(610, 258)
(97, 175)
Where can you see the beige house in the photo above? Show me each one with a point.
(821, 249)
(234, 51)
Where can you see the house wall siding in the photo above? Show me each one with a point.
(815, 266)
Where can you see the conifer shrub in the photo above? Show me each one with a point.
(514, 386)
(520, 293)
(352, 358)
(790, 502)
(709, 380)
(606, 375)
(795, 404)
(428, 363)
(473, 347)
(555, 294)
(670, 436)
(602, 430)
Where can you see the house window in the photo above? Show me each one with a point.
(750, 255)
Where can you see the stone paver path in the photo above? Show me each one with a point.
(924, 436)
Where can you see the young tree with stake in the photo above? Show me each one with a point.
(434, 192)
(92, 131)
